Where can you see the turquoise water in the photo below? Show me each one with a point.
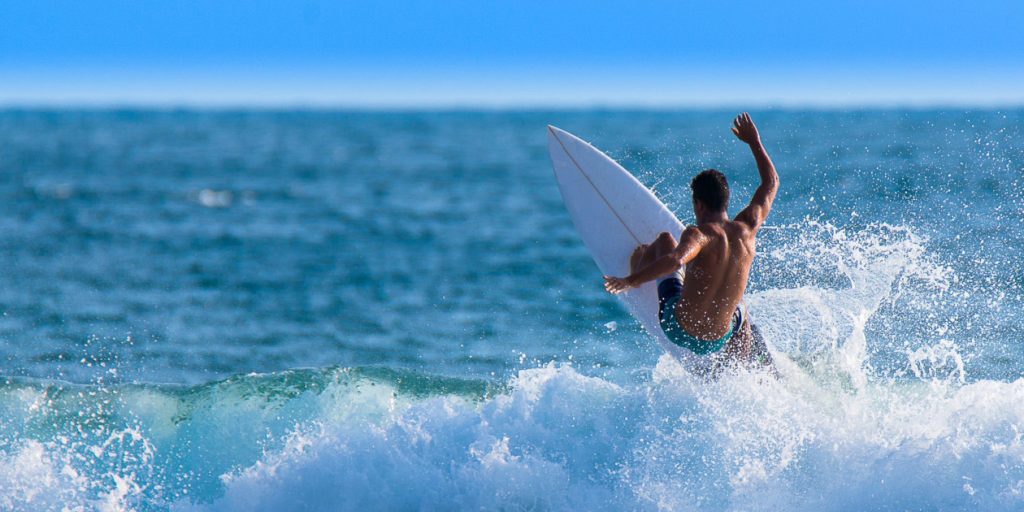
(341, 310)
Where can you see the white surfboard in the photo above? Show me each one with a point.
(613, 213)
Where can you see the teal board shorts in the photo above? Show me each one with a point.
(670, 290)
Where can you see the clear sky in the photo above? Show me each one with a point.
(511, 53)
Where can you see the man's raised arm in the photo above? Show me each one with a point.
(754, 214)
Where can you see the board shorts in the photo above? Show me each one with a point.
(670, 290)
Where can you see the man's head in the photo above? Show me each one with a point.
(710, 192)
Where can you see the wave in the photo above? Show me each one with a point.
(553, 439)
(875, 408)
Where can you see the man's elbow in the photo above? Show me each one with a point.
(678, 263)
(769, 185)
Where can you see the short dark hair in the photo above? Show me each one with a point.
(711, 188)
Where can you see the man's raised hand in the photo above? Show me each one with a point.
(743, 127)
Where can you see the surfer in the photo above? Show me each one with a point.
(703, 311)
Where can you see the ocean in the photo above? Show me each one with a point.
(220, 310)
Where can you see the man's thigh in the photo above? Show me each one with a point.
(739, 346)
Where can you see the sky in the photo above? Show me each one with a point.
(525, 53)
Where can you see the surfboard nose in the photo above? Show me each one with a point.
(555, 133)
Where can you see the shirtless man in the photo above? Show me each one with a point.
(703, 311)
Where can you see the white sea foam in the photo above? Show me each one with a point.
(559, 440)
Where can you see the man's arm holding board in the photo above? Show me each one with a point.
(690, 244)
(755, 213)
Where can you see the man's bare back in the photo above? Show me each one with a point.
(718, 253)
(716, 278)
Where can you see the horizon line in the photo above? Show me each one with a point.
(299, 106)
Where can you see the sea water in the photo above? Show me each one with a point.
(255, 310)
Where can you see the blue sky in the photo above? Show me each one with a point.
(511, 53)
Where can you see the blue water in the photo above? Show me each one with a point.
(235, 310)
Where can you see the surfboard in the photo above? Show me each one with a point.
(613, 213)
